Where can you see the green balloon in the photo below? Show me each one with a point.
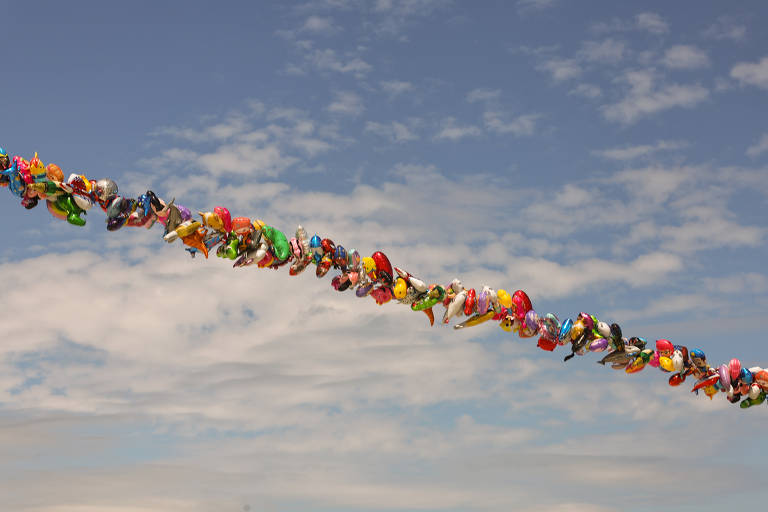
(67, 203)
(279, 242)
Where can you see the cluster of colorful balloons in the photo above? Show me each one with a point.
(251, 242)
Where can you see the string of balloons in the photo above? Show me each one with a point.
(251, 242)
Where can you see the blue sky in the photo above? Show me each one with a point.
(605, 157)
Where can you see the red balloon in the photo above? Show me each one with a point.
(521, 304)
(383, 267)
(470, 302)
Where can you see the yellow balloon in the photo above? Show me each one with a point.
(212, 220)
(507, 323)
(505, 299)
(187, 228)
(666, 363)
(369, 265)
(400, 288)
(577, 330)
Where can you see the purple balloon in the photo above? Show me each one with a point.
(598, 345)
(483, 301)
(363, 291)
(725, 376)
(532, 321)
(185, 213)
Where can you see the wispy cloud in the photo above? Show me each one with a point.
(561, 69)
(646, 22)
(685, 57)
(395, 132)
(651, 22)
(608, 51)
(590, 91)
(644, 98)
(726, 28)
(643, 150)
(319, 25)
(450, 130)
(483, 94)
(346, 103)
(535, 5)
(760, 147)
(752, 73)
(395, 87)
(518, 126)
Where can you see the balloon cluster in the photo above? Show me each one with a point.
(251, 242)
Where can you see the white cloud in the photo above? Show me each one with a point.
(632, 152)
(752, 73)
(535, 5)
(747, 282)
(396, 132)
(726, 28)
(319, 25)
(328, 60)
(560, 69)
(519, 126)
(685, 57)
(760, 147)
(451, 131)
(645, 22)
(396, 87)
(235, 125)
(609, 51)
(644, 98)
(483, 94)
(651, 22)
(590, 91)
(346, 103)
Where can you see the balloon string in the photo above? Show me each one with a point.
(251, 242)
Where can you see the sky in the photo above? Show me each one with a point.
(606, 157)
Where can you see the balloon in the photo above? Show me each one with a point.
(546, 343)
(354, 261)
(225, 217)
(598, 345)
(665, 363)
(73, 212)
(340, 257)
(724, 376)
(278, 241)
(470, 303)
(36, 168)
(400, 288)
(455, 306)
(676, 379)
(55, 210)
(383, 267)
(735, 368)
(531, 320)
(475, 320)
(369, 266)
(522, 304)
(761, 378)
(639, 362)
(212, 220)
(484, 300)
(565, 331)
(324, 265)
(382, 295)
(505, 299)
(664, 348)
(435, 295)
